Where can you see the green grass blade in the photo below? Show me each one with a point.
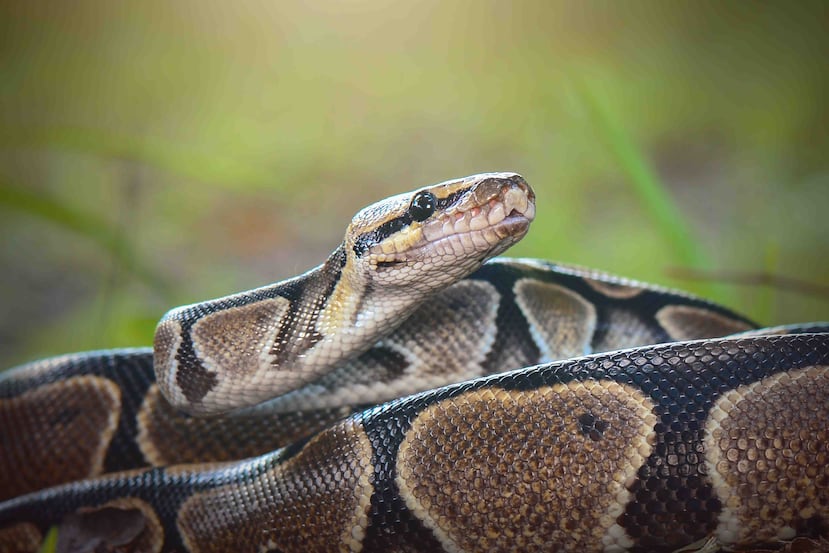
(50, 542)
(650, 190)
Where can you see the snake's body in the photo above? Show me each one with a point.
(716, 442)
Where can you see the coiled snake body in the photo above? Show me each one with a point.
(691, 444)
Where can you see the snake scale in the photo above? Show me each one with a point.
(275, 420)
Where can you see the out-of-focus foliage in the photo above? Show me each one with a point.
(156, 153)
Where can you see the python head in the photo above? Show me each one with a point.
(427, 239)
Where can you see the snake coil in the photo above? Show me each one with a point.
(370, 405)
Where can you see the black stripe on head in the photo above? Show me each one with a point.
(298, 331)
(443, 203)
(377, 235)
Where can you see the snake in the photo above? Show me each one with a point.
(418, 393)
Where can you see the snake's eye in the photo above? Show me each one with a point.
(423, 205)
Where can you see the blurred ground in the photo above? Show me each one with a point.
(156, 153)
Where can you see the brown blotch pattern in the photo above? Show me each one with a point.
(167, 436)
(767, 453)
(446, 340)
(166, 342)
(459, 319)
(382, 364)
(496, 470)
(60, 432)
(238, 339)
(316, 501)
(561, 321)
(623, 328)
(150, 538)
(614, 290)
(466, 312)
(20, 538)
(684, 322)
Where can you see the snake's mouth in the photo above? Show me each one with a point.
(485, 222)
(513, 206)
(497, 216)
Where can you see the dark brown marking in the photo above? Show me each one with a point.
(99, 531)
(235, 340)
(196, 381)
(388, 364)
(799, 545)
(20, 538)
(167, 436)
(767, 451)
(366, 240)
(60, 433)
(389, 264)
(166, 342)
(591, 426)
(297, 332)
(372, 237)
(299, 514)
(494, 470)
(117, 521)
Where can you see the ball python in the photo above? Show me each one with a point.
(686, 442)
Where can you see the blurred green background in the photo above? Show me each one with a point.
(156, 153)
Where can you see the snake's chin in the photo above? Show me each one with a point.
(517, 222)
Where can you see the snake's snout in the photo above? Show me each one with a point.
(504, 196)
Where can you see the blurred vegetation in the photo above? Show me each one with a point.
(156, 153)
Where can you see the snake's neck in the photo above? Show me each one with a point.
(288, 333)
(335, 316)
